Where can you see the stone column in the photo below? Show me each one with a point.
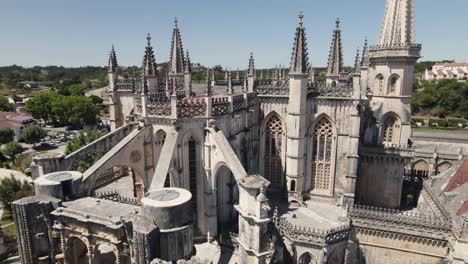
(253, 220)
(296, 130)
(174, 106)
(144, 105)
(210, 198)
(353, 150)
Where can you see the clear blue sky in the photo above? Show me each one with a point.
(81, 32)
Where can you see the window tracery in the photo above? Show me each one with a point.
(273, 168)
(390, 130)
(322, 155)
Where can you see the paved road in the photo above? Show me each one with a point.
(449, 136)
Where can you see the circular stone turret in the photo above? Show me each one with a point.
(63, 184)
(169, 207)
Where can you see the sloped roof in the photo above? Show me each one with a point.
(459, 178)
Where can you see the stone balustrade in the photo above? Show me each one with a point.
(307, 235)
(387, 149)
(401, 218)
(116, 197)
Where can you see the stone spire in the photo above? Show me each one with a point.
(176, 57)
(238, 74)
(112, 65)
(398, 24)
(251, 70)
(149, 63)
(188, 63)
(357, 62)
(365, 55)
(299, 58)
(335, 59)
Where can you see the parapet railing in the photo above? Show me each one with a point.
(386, 149)
(323, 90)
(180, 106)
(116, 197)
(398, 217)
(311, 235)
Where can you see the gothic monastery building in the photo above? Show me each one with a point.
(273, 168)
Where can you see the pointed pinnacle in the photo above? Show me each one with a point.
(301, 16)
(337, 23)
(176, 22)
(148, 38)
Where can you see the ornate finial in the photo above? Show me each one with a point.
(301, 16)
(299, 57)
(357, 62)
(335, 57)
(251, 69)
(112, 60)
(148, 39)
(176, 22)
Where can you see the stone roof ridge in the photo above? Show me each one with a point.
(299, 58)
(112, 64)
(176, 57)
(335, 57)
(149, 62)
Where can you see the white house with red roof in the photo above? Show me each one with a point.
(453, 70)
(15, 121)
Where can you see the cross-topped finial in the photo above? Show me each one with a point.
(148, 38)
(176, 22)
(337, 23)
(301, 16)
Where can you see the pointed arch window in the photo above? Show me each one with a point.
(322, 155)
(273, 168)
(379, 79)
(392, 86)
(390, 130)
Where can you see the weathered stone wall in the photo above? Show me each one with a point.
(386, 248)
(380, 181)
(43, 166)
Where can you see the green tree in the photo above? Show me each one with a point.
(12, 189)
(40, 106)
(6, 135)
(12, 149)
(80, 140)
(32, 134)
(5, 105)
(96, 99)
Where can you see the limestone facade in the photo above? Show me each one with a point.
(285, 169)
